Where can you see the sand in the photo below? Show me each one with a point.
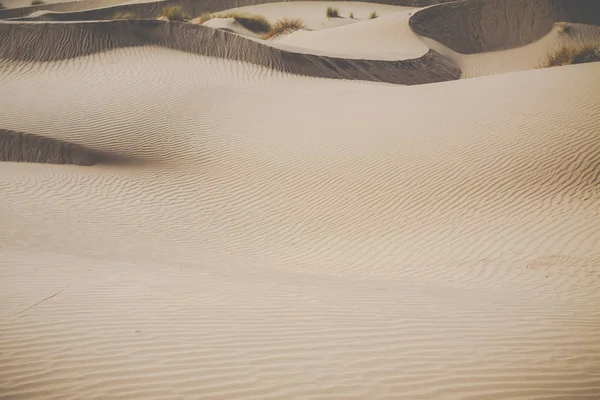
(285, 233)
(387, 37)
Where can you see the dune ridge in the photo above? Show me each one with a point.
(477, 26)
(58, 41)
(104, 9)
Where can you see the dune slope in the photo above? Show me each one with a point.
(295, 237)
(21, 41)
(476, 26)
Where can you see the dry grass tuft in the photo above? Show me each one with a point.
(174, 13)
(283, 26)
(37, 2)
(332, 12)
(254, 23)
(123, 15)
(373, 15)
(352, 15)
(572, 55)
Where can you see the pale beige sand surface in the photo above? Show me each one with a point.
(385, 38)
(313, 13)
(295, 237)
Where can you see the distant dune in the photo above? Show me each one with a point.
(476, 26)
(58, 41)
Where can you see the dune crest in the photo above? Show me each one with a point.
(477, 26)
(20, 41)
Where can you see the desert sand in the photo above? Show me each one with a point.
(378, 209)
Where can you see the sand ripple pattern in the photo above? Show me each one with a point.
(294, 237)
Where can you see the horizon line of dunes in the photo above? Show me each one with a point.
(26, 147)
(104, 9)
(59, 41)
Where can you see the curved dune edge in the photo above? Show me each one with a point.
(58, 41)
(476, 26)
(24, 147)
(103, 9)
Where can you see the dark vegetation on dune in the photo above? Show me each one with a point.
(123, 15)
(174, 13)
(254, 23)
(24, 147)
(573, 55)
(332, 12)
(283, 26)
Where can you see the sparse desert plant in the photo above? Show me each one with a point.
(352, 15)
(123, 15)
(284, 25)
(572, 55)
(174, 13)
(254, 23)
(37, 2)
(332, 12)
(373, 15)
(565, 29)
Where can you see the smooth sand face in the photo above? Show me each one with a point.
(384, 38)
(291, 237)
(313, 13)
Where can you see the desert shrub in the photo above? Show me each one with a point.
(284, 25)
(254, 23)
(174, 13)
(572, 55)
(352, 15)
(332, 12)
(373, 15)
(123, 15)
(37, 2)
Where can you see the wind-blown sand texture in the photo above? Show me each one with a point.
(286, 235)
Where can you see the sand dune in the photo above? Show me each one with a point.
(284, 235)
(385, 38)
(476, 26)
(56, 41)
(465, 243)
(104, 9)
(521, 58)
(313, 12)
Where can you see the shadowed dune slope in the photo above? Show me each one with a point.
(103, 9)
(23, 147)
(476, 26)
(57, 41)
